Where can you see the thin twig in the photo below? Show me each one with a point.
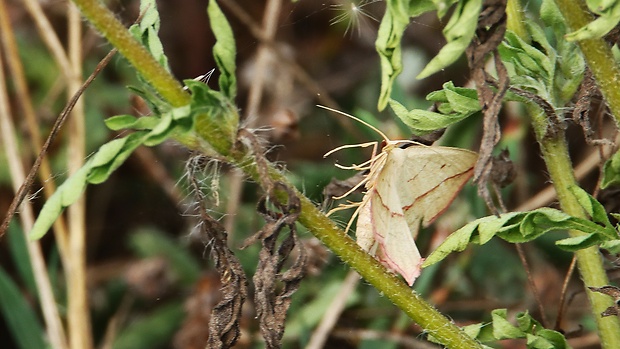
(562, 302)
(533, 288)
(25, 187)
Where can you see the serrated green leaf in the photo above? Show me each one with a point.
(536, 342)
(609, 16)
(551, 16)
(516, 227)
(19, 317)
(557, 340)
(147, 31)
(108, 152)
(613, 246)
(121, 122)
(101, 170)
(537, 337)
(458, 32)
(482, 332)
(592, 207)
(576, 243)
(65, 195)
(611, 171)
(526, 323)
(224, 50)
(461, 103)
(421, 121)
(502, 328)
(96, 170)
(418, 7)
(388, 47)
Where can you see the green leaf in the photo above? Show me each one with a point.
(421, 121)
(388, 46)
(224, 50)
(458, 32)
(611, 171)
(146, 31)
(65, 195)
(551, 16)
(613, 246)
(608, 17)
(108, 159)
(500, 328)
(214, 113)
(519, 227)
(592, 207)
(576, 243)
(96, 170)
(121, 122)
(18, 315)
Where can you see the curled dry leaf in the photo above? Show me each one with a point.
(489, 34)
(405, 188)
(273, 286)
(224, 321)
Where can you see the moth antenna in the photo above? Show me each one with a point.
(356, 119)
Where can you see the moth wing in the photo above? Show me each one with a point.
(391, 230)
(364, 233)
(430, 178)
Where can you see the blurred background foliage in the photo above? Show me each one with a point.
(149, 277)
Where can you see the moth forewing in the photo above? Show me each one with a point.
(431, 179)
(390, 228)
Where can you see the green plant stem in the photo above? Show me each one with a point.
(368, 267)
(597, 53)
(322, 227)
(115, 32)
(555, 153)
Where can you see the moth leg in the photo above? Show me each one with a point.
(343, 207)
(346, 146)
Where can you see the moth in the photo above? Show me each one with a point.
(406, 188)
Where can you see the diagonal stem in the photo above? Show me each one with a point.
(322, 227)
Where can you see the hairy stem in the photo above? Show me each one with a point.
(115, 32)
(555, 153)
(369, 268)
(597, 53)
(322, 227)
